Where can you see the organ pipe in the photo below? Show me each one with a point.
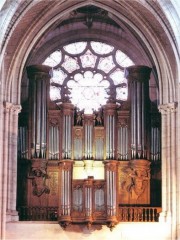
(22, 142)
(88, 146)
(67, 130)
(53, 142)
(65, 190)
(39, 76)
(138, 77)
(111, 187)
(110, 130)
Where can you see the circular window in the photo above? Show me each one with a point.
(88, 74)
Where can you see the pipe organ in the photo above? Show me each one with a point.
(88, 165)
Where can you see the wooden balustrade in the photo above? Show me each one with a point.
(126, 214)
(139, 214)
(37, 213)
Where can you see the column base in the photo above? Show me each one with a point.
(12, 216)
(165, 217)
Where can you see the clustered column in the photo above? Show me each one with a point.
(9, 163)
(169, 165)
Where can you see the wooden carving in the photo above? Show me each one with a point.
(134, 182)
(38, 174)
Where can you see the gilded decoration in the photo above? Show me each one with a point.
(53, 182)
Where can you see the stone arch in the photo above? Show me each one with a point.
(165, 76)
(14, 57)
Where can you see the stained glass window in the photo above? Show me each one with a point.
(53, 59)
(106, 64)
(88, 59)
(101, 48)
(88, 71)
(75, 48)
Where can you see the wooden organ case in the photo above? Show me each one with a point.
(83, 167)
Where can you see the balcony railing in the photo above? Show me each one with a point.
(38, 213)
(126, 214)
(139, 214)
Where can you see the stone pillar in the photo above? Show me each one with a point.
(12, 163)
(169, 165)
(138, 81)
(7, 107)
(9, 166)
(39, 76)
(1, 170)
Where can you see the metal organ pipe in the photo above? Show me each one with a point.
(67, 129)
(138, 77)
(111, 181)
(39, 76)
(38, 118)
(33, 119)
(110, 111)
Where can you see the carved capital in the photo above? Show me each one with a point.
(7, 106)
(53, 121)
(163, 109)
(167, 108)
(16, 109)
(172, 107)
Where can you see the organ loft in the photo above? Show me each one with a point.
(92, 164)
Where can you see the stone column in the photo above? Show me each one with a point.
(1, 169)
(12, 163)
(9, 166)
(169, 165)
(39, 76)
(7, 107)
(138, 82)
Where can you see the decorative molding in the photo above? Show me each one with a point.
(14, 108)
(7, 106)
(169, 107)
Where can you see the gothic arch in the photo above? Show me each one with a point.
(21, 39)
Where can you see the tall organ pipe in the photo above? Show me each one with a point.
(138, 80)
(67, 129)
(110, 116)
(39, 77)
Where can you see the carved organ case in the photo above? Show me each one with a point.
(87, 165)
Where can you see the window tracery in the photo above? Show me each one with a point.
(91, 72)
